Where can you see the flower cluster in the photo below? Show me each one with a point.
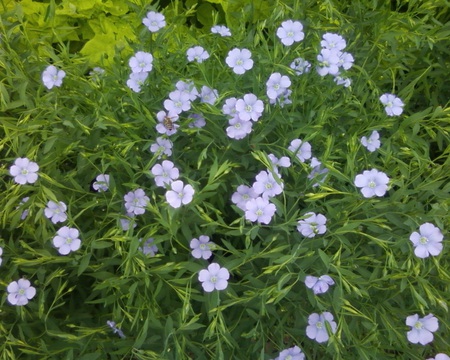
(242, 112)
(140, 64)
(332, 59)
(278, 89)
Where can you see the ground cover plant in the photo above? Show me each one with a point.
(270, 189)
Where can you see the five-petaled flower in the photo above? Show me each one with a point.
(428, 241)
(197, 53)
(249, 108)
(260, 210)
(319, 285)
(165, 173)
(154, 21)
(56, 212)
(240, 60)
(214, 278)
(372, 183)
(371, 143)
(66, 240)
(180, 194)
(392, 104)
(141, 62)
(293, 353)
(52, 77)
(316, 330)
(136, 201)
(312, 225)
(201, 247)
(422, 329)
(290, 32)
(24, 171)
(20, 292)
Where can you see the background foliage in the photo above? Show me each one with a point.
(97, 125)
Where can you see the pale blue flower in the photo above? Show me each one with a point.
(101, 183)
(221, 30)
(422, 329)
(372, 183)
(316, 329)
(393, 104)
(214, 278)
(290, 32)
(371, 143)
(52, 77)
(266, 185)
(136, 80)
(208, 95)
(148, 247)
(165, 173)
(24, 171)
(201, 247)
(141, 62)
(428, 241)
(154, 21)
(20, 292)
(162, 146)
(240, 60)
(136, 201)
(313, 224)
(197, 53)
(260, 210)
(56, 212)
(301, 149)
(180, 194)
(319, 285)
(66, 240)
(243, 194)
(238, 128)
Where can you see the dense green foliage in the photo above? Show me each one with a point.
(95, 124)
